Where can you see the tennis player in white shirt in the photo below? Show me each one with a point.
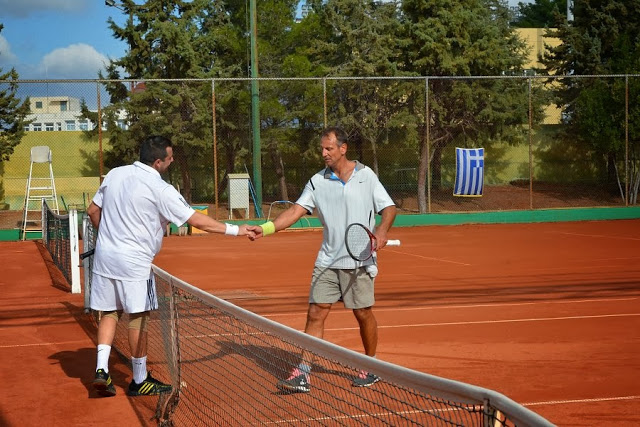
(131, 210)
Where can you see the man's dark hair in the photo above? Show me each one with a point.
(341, 135)
(154, 148)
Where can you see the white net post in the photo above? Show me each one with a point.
(74, 243)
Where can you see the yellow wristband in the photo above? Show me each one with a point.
(268, 228)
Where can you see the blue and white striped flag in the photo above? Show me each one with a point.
(469, 172)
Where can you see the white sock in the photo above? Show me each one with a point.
(139, 365)
(103, 357)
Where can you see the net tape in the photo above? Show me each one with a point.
(224, 363)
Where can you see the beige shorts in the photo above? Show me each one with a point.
(132, 296)
(354, 287)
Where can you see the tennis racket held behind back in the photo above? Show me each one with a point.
(361, 243)
(86, 254)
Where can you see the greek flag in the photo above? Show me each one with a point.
(469, 172)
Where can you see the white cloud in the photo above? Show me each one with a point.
(24, 8)
(77, 61)
(7, 57)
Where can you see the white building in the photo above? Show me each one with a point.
(62, 113)
(56, 113)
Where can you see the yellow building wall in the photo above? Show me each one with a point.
(537, 45)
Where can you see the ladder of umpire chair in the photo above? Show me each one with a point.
(40, 185)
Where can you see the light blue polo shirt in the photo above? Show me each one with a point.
(339, 204)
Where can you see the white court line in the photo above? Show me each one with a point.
(487, 322)
(633, 258)
(594, 235)
(41, 344)
(427, 257)
(564, 402)
(510, 304)
(448, 307)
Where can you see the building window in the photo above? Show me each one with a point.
(27, 128)
(63, 105)
(48, 127)
(84, 125)
(71, 125)
(58, 126)
(37, 127)
(39, 104)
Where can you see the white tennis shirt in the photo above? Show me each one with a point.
(339, 204)
(137, 204)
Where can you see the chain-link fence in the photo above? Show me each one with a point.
(548, 142)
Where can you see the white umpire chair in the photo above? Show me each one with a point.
(40, 185)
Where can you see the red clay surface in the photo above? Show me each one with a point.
(547, 314)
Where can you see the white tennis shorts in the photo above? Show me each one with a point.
(132, 296)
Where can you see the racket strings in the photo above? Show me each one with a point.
(359, 244)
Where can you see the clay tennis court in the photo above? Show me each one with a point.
(547, 314)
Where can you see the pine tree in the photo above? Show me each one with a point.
(601, 40)
(463, 38)
(13, 113)
(171, 40)
(540, 14)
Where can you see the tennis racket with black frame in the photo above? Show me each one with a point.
(361, 243)
(87, 254)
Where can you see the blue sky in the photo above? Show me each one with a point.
(60, 39)
(57, 39)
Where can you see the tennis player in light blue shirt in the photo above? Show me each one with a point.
(345, 192)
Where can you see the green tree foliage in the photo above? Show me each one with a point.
(197, 39)
(12, 113)
(463, 38)
(177, 39)
(284, 105)
(169, 41)
(540, 14)
(602, 39)
(357, 38)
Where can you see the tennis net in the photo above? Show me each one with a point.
(60, 237)
(224, 362)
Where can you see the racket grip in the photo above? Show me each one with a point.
(87, 254)
(393, 242)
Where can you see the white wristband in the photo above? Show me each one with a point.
(232, 229)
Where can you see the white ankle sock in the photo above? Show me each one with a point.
(103, 357)
(139, 365)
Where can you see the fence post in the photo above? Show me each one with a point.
(428, 142)
(215, 146)
(324, 100)
(100, 158)
(626, 139)
(530, 145)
